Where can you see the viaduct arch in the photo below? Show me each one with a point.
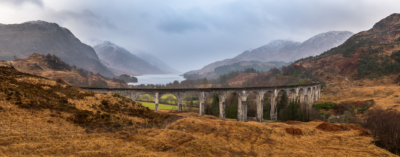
(307, 94)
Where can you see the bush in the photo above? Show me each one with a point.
(332, 119)
(354, 107)
(385, 126)
(324, 115)
(346, 117)
(59, 80)
(325, 105)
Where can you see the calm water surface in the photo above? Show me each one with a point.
(157, 79)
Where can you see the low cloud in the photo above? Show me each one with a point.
(87, 17)
(22, 2)
(203, 30)
(190, 20)
(177, 25)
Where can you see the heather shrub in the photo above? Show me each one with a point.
(385, 128)
(325, 105)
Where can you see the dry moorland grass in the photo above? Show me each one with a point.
(38, 119)
(194, 136)
(383, 91)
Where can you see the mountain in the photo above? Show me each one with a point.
(277, 50)
(52, 67)
(373, 53)
(285, 50)
(22, 40)
(241, 66)
(121, 61)
(157, 62)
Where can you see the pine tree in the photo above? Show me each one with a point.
(231, 109)
(283, 102)
(291, 111)
(215, 105)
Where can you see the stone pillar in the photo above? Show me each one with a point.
(202, 98)
(221, 108)
(309, 99)
(179, 104)
(312, 95)
(296, 94)
(316, 94)
(156, 99)
(243, 117)
(319, 93)
(239, 109)
(133, 96)
(260, 109)
(301, 97)
(273, 113)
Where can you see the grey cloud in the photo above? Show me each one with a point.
(191, 20)
(21, 2)
(203, 30)
(87, 17)
(177, 25)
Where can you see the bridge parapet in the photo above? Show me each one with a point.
(307, 94)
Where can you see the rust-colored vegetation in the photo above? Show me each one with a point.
(40, 117)
(294, 131)
(325, 126)
(292, 122)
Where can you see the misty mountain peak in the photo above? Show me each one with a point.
(286, 50)
(329, 35)
(40, 22)
(111, 48)
(121, 61)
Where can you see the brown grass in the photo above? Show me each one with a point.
(325, 126)
(294, 131)
(292, 122)
(41, 132)
(383, 91)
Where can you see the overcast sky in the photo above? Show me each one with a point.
(188, 34)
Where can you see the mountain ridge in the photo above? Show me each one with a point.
(371, 53)
(283, 50)
(121, 61)
(24, 39)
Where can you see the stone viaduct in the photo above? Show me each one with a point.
(307, 94)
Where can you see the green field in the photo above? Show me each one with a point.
(147, 98)
(160, 106)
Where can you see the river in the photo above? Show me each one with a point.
(157, 79)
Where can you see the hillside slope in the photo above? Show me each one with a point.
(371, 54)
(122, 61)
(40, 117)
(285, 50)
(52, 67)
(22, 40)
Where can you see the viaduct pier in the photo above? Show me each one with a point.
(307, 94)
